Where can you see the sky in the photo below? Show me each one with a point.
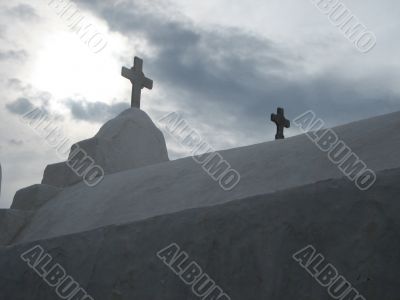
(225, 66)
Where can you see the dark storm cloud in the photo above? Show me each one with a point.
(20, 106)
(13, 55)
(94, 112)
(29, 100)
(23, 106)
(236, 72)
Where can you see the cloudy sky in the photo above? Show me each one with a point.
(224, 65)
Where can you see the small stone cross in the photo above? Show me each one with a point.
(138, 80)
(281, 123)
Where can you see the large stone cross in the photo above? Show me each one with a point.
(138, 80)
(281, 123)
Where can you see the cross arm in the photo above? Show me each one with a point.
(125, 72)
(148, 83)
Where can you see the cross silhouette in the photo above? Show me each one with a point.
(138, 80)
(281, 123)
